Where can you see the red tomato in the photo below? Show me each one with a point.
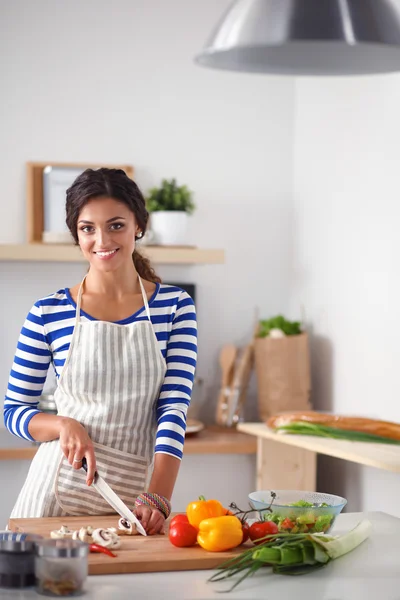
(262, 528)
(182, 535)
(179, 519)
(246, 532)
(287, 524)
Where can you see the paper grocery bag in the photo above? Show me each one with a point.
(283, 374)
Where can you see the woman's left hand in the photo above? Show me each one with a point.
(151, 518)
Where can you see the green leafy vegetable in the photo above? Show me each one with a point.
(322, 523)
(292, 554)
(304, 428)
(279, 322)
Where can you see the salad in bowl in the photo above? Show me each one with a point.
(295, 511)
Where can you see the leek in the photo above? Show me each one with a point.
(293, 554)
(304, 428)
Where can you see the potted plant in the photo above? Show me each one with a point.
(169, 206)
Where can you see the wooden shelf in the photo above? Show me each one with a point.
(69, 253)
(212, 440)
(381, 456)
(218, 440)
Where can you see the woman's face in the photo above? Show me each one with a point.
(106, 233)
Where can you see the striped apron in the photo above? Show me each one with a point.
(110, 383)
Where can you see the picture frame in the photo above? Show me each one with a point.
(37, 187)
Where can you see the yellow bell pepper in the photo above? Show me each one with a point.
(202, 509)
(220, 533)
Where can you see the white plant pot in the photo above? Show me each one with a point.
(169, 227)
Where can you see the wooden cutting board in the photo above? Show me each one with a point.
(138, 554)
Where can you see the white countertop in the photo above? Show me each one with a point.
(372, 570)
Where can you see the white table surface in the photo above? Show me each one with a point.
(370, 571)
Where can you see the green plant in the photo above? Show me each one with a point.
(170, 196)
(279, 322)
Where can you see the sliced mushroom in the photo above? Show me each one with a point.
(116, 544)
(63, 532)
(84, 534)
(125, 527)
(106, 538)
(117, 531)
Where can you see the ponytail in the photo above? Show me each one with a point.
(144, 268)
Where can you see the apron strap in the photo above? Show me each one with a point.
(79, 300)
(146, 304)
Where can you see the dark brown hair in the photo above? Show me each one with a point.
(110, 183)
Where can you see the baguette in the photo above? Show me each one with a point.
(385, 429)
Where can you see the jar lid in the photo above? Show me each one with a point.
(11, 541)
(62, 548)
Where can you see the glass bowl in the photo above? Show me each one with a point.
(316, 515)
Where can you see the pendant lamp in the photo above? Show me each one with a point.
(306, 37)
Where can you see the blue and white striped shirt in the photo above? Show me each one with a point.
(46, 336)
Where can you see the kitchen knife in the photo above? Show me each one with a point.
(113, 500)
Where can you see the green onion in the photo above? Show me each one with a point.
(292, 554)
(304, 428)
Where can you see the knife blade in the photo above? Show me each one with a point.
(102, 487)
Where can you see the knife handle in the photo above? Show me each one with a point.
(85, 467)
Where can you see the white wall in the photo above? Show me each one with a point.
(346, 257)
(87, 82)
(115, 82)
(97, 81)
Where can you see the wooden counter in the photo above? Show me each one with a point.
(137, 554)
(212, 440)
(381, 456)
(288, 461)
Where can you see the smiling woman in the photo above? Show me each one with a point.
(102, 239)
(124, 349)
(102, 202)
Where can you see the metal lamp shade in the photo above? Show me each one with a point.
(307, 37)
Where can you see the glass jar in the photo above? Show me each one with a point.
(47, 404)
(196, 405)
(61, 567)
(17, 559)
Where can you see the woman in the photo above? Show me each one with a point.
(124, 350)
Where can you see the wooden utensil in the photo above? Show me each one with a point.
(227, 360)
(238, 393)
(240, 384)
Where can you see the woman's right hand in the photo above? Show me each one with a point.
(75, 444)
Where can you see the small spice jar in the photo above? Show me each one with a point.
(61, 567)
(17, 559)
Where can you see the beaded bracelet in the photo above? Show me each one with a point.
(155, 501)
